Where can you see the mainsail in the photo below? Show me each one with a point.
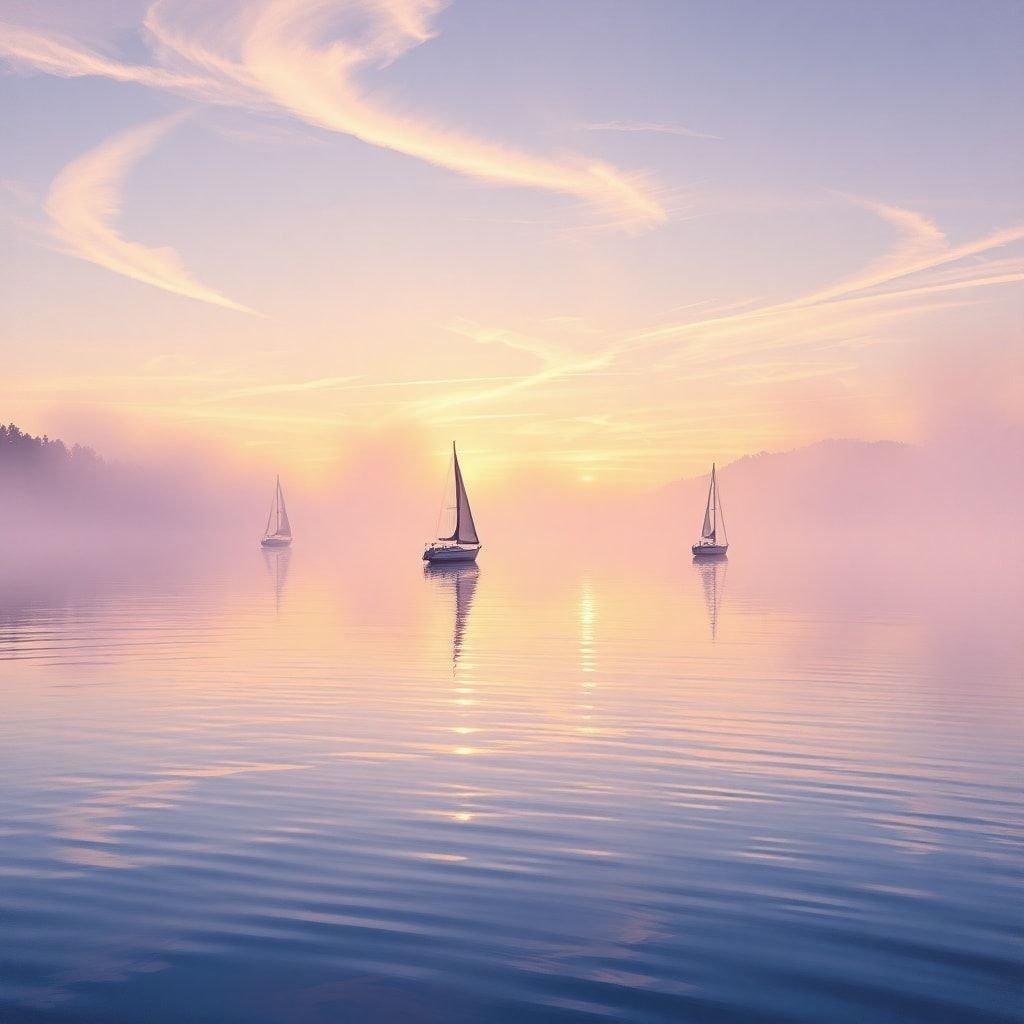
(284, 528)
(710, 512)
(277, 520)
(465, 528)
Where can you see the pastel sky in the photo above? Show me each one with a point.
(609, 240)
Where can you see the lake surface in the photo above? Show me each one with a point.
(257, 788)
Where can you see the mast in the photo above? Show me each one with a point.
(714, 502)
(458, 491)
(271, 516)
(277, 503)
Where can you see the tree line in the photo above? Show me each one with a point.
(19, 449)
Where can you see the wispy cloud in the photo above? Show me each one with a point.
(85, 199)
(290, 388)
(309, 58)
(514, 340)
(347, 384)
(66, 58)
(774, 343)
(919, 235)
(655, 127)
(921, 247)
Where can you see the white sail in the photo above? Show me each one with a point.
(708, 530)
(710, 511)
(284, 528)
(465, 530)
(278, 527)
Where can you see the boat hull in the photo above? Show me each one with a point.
(450, 554)
(709, 550)
(276, 542)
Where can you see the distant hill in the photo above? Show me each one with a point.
(879, 486)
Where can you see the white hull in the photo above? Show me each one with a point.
(709, 550)
(442, 555)
(276, 542)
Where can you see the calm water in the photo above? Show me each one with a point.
(257, 788)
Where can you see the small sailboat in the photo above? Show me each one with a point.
(278, 533)
(463, 544)
(713, 538)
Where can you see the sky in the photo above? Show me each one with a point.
(606, 242)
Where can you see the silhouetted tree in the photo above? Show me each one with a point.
(26, 452)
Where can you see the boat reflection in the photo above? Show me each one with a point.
(712, 571)
(461, 581)
(277, 561)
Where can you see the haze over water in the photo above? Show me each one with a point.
(238, 786)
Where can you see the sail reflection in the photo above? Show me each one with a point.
(461, 580)
(277, 561)
(712, 572)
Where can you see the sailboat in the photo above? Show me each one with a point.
(278, 533)
(713, 538)
(463, 544)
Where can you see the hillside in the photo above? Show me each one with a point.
(845, 485)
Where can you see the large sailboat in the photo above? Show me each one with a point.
(463, 543)
(278, 533)
(713, 538)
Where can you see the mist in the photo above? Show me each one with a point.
(384, 494)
